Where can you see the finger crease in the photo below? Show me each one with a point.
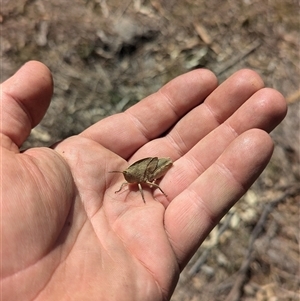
(140, 126)
(226, 171)
(209, 109)
(170, 103)
(176, 144)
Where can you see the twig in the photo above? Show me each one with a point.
(236, 290)
(239, 57)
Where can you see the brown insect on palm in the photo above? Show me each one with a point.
(146, 171)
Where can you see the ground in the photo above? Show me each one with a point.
(107, 55)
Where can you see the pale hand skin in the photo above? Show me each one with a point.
(66, 235)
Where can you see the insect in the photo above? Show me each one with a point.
(146, 171)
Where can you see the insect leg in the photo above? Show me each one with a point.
(141, 191)
(125, 183)
(155, 185)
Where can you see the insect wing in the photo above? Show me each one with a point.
(136, 172)
(164, 164)
(150, 170)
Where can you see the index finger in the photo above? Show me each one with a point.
(126, 132)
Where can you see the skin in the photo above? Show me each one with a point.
(65, 234)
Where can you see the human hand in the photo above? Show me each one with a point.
(66, 235)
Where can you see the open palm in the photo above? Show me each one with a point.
(66, 234)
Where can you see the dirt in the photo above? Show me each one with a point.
(107, 55)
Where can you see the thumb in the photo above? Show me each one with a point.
(25, 98)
